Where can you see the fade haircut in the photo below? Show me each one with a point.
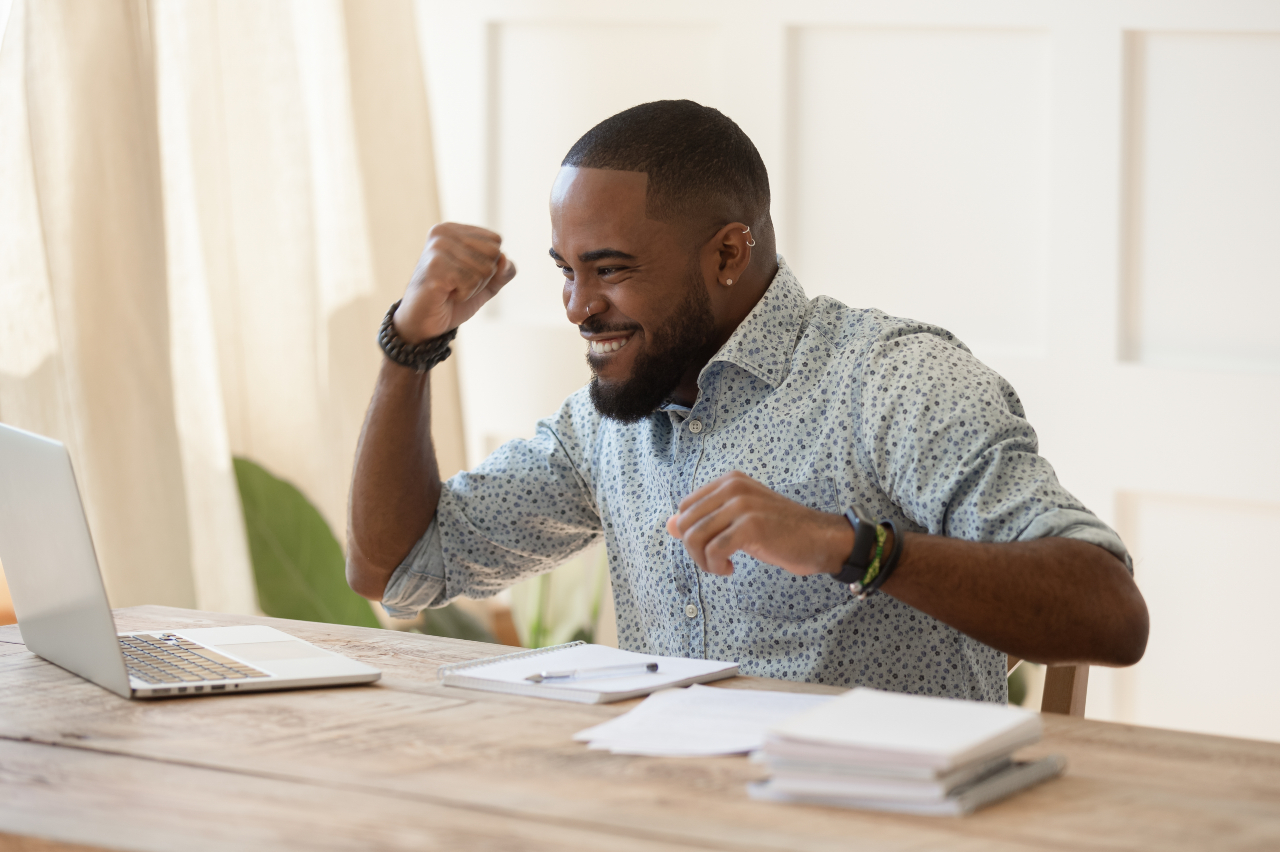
(701, 166)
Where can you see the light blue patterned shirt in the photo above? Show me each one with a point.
(826, 404)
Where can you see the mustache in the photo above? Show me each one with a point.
(599, 327)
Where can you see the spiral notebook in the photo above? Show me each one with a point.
(509, 673)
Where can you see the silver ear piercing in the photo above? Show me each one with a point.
(750, 242)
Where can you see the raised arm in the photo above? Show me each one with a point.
(395, 486)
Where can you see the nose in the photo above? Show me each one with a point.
(582, 301)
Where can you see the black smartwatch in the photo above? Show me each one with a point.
(864, 546)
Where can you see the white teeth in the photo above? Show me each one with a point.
(602, 347)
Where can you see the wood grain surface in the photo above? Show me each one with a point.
(409, 764)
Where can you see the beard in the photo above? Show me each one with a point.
(686, 340)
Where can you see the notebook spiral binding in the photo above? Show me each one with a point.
(449, 668)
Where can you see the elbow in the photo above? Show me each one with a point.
(1129, 642)
(366, 580)
(1135, 645)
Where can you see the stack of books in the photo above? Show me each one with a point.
(870, 749)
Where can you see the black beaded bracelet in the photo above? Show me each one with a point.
(420, 356)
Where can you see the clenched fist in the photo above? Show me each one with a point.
(461, 268)
(736, 513)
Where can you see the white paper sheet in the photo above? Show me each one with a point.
(514, 670)
(698, 721)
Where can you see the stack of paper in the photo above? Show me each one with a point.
(698, 721)
(893, 752)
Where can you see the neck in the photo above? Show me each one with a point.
(746, 294)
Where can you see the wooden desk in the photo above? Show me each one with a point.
(407, 763)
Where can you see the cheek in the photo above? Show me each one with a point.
(626, 308)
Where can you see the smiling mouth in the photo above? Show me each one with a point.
(606, 347)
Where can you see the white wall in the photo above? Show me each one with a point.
(1085, 191)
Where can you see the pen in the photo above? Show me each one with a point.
(594, 672)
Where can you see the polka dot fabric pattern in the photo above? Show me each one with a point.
(827, 405)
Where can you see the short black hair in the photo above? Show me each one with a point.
(701, 166)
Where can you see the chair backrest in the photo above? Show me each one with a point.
(1065, 688)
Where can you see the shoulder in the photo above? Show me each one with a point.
(861, 335)
(873, 349)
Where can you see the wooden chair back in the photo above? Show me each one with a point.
(1065, 688)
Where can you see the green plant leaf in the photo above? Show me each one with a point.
(297, 563)
(1018, 685)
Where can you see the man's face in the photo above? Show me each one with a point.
(635, 288)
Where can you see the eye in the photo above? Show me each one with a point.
(605, 272)
(567, 271)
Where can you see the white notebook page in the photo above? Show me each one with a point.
(670, 670)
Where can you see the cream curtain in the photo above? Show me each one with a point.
(205, 208)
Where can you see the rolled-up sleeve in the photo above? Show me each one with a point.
(418, 582)
(524, 510)
(1077, 524)
(950, 444)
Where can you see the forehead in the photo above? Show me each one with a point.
(597, 207)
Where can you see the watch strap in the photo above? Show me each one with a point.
(864, 543)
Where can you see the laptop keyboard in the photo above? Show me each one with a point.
(169, 659)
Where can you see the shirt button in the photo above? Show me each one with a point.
(695, 427)
(691, 610)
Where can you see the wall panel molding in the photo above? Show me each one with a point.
(1201, 281)
(1213, 628)
(921, 175)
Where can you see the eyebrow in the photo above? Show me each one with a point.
(596, 255)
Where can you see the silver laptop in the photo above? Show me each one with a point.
(64, 617)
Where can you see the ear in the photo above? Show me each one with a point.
(730, 253)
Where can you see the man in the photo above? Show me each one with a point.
(730, 423)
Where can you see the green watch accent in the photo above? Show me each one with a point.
(874, 569)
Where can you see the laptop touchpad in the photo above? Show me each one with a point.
(280, 650)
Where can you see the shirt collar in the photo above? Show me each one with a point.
(764, 342)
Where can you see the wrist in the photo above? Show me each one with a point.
(889, 541)
(405, 329)
(839, 543)
(874, 555)
(857, 560)
(421, 356)
(887, 552)
(401, 328)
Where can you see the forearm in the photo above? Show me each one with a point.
(1053, 600)
(395, 485)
